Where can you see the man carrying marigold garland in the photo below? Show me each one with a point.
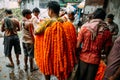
(58, 45)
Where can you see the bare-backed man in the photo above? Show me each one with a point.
(10, 26)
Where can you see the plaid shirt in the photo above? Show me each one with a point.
(91, 49)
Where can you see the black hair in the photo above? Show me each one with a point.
(72, 13)
(55, 6)
(26, 11)
(99, 13)
(111, 16)
(8, 11)
(36, 10)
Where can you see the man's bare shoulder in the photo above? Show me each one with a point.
(28, 23)
(15, 20)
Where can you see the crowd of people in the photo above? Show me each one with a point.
(59, 49)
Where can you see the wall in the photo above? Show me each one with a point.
(8, 4)
(30, 4)
(90, 9)
(92, 5)
(114, 8)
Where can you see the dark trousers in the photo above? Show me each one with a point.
(87, 71)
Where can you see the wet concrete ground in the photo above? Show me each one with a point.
(16, 73)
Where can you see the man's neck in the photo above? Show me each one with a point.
(25, 19)
(54, 16)
(9, 15)
(71, 20)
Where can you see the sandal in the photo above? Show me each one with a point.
(10, 65)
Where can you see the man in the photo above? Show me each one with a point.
(94, 38)
(112, 26)
(113, 66)
(28, 39)
(59, 43)
(74, 20)
(35, 17)
(63, 15)
(10, 26)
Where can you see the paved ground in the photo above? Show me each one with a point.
(18, 72)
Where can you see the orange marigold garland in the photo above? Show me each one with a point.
(71, 44)
(47, 53)
(101, 70)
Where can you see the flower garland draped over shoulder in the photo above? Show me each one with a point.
(38, 45)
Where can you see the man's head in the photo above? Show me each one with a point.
(62, 12)
(99, 14)
(36, 11)
(71, 15)
(27, 13)
(53, 8)
(8, 11)
(110, 18)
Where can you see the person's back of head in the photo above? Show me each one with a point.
(55, 6)
(8, 22)
(25, 12)
(111, 16)
(72, 13)
(99, 14)
(36, 10)
(8, 11)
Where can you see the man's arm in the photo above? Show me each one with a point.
(18, 28)
(80, 38)
(31, 29)
(2, 26)
(17, 24)
(79, 42)
(108, 42)
(42, 26)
